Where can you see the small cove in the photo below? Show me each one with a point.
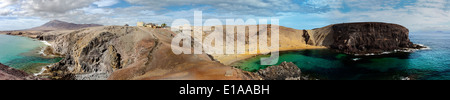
(24, 53)
(432, 64)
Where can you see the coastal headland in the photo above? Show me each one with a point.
(143, 53)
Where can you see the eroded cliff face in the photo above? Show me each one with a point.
(362, 38)
(129, 53)
(134, 53)
(289, 39)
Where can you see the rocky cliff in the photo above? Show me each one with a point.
(130, 53)
(8, 73)
(362, 38)
(349, 38)
(135, 53)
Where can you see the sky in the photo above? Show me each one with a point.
(417, 15)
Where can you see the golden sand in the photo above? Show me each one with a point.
(230, 59)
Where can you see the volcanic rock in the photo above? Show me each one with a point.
(365, 37)
(284, 71)
(8, 73)
(130, 53)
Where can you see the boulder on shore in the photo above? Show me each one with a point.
(284, 71)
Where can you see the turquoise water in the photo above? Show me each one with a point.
(432, 64)
(23, 53)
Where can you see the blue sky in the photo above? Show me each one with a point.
(417, 15)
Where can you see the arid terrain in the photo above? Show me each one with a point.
(142, 53)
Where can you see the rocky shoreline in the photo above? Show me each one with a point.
(284, 71)
(365, 38)
(139, 53)
(101, 55)
(114, 56)
(8, 73)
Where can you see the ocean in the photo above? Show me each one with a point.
(23, 53)
(323, 64)
(429, 64)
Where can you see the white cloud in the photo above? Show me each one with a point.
(95, 10)
(423, 15)
(76, 11)
(5, 3)
(242, 7)
(420, 15)
(6, 7)
(106, 3)
(432, 3)
(6, 11)
(53, 6)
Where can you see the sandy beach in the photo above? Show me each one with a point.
(230, 59)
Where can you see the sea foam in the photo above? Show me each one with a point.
(43, 69)
(43, 49)
(396, 51)
(46, 43)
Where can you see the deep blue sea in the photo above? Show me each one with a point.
(431, 64)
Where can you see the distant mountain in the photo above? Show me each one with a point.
(61, 25)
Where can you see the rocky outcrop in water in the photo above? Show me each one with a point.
(8, 73)
(362, 38)
(284, 71)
